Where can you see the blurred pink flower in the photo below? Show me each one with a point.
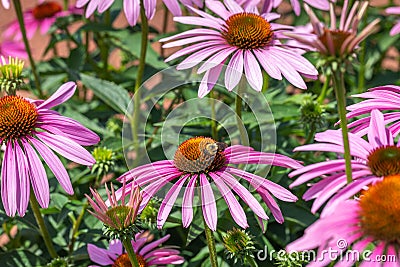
(382, 98)
(372, 160)
(147, 253)
(396, 11)
(338, 42)
(131, 8)
(200, 161)
(29, 127)
(39, 18)
(243, 38)
(13, 49)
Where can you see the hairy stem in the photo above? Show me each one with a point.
(238, 109)
(211, 244)
(131, 253)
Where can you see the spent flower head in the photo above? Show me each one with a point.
(118, 217)
(311, 111)
(11, 78)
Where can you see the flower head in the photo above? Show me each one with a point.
(119, 218)
(29, 127)
(238, 244)
(207, 163)
(395, 11)
(338, 42)
(372, 160)
(373, 221)
(382, 98)
(41, 17)
(147, 253)
(11, 74)
(105, 160)
(244, 39)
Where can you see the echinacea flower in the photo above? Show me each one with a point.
(319, 4)
(245, 40)
(147, 253)
(395, 11)
(365, 230)
(41, 17)
(119, 218)
(29, 127)
(372, 160)
(12, 49)
(131, 8)
(338, 41)
(207, 163)
(382, 98)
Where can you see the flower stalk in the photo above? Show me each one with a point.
(18, 11)
(340, 93)
(211, 244)
(131, 253)
(42, 226)
(238, 110)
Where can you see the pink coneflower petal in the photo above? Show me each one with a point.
(208, 203)
(116, 247)
(253, 71)
(100, 256)
(67, 148)
(22, 182)
(153, 245)
(235, 209)
(210, 78)
(271, 69)
(218, 8)
(187, 203)
(8, 184)
(174, 7)
(65, 92)
(104, 5)
(169, 200)
(39, 182)
(234, 70)
(6, 4)
(132, 11)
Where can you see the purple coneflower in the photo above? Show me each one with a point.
(131, 8)
(41, 17)
(147, 253)
(341, 41)
(199, 161)
(395, 11)
(366, 230)
(371, 161)
(382, 98)
(29, 127)
(245, 40)
(12, 48)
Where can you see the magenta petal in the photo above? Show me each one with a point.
(100, 255)
(169, 200)
(23, 185)
(54, 164)
(187, 203)
(65, 92)
(210, 78)
(38, 175)
(235, 209)
(253, 71)
(234, 70)
(115, 247)
(208, 203)
(271, 204)
(67, 148)
(132, 11)
(8, 181)
(146, 249)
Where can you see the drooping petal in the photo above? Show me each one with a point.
(8, 180)
(132, 11)
(100, 255)
(23, 185)
(187, 203)
(65, 92)
(208, 203)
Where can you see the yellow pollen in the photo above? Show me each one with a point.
(384, 161)
(200, 155)
(123, 261)
(338, 37)
(380, 210)
(17, 117)
(247, 31)
(46, 10)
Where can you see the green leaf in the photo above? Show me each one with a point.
(196, 228)
(20, 258)
(112, 94)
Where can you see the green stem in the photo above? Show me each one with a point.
(251, 261)
(75, 228)
(214, 130)
(136, 98)
(238, 108)
(361, 73)
(340, 92)
(18, 11)
(42, 226)
(131, 254)
(211, 244)
(324, 89)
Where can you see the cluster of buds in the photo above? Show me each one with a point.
(11, 78)
(239, 245)
(105, 160)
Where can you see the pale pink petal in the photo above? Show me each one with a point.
(253, 71)
(208, 203)
(132, 11)
(234, 70)
(23, 185)
(187, 202)
(209, 79)
(8, 180)
(100, 255)
(65, 92)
